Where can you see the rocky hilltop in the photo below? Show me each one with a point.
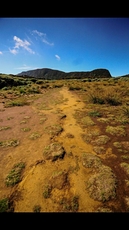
(51, 74)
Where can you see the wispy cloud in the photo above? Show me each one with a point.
(57, 57)
(25, 67)
(1, 53)
(42, 36)
(19, 43)
(13, 51)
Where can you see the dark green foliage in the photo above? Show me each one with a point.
(4, 205)
(96, 100)
(14, 175)
(47, 191)
(113, 101)
(94, 114)
(74, 88)
(37, 208)
(9, 81)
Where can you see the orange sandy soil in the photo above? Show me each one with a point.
(58, 107)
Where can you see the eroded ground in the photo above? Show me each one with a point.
(76, 153)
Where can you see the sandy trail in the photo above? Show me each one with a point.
(77, 147)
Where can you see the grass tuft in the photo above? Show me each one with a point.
(14, 175)
(4, 205)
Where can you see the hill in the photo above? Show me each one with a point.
(51, 74)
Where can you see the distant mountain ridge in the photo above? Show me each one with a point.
(51, 74)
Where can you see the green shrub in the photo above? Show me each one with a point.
(14, 175)
(4, 205)
(36, 208)
(94, 113)
(112, 100)
(47, 191)
(95, 99)
(16, 102)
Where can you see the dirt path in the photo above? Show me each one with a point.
(76, 146)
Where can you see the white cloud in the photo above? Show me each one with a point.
(20, 43)
(42, 37)
(1, 52)
(38, 33)
(57, 57)
(13, 51)
(25, 67)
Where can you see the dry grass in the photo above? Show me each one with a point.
(54, 129)
(91, 161)
(125, 166)
(8, 143)
(102, 185)
(117, 130)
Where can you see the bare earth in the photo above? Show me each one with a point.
(55, 184)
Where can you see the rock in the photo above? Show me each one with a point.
(54, 151)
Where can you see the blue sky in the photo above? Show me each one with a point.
(67, 44)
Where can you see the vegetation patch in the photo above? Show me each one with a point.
(103, 209)
(53, 129)
(7, 143)
(125, 157)
(9, 118)
(71, 204)
(47, 191)
(37, 208)
(127, 202)
(87, 121)
(94, 113)
(125, 111)
(16, 102)
(101, 140)
(34, 136)
(26, 129)
(89, 160)
(102, 185)
(104, 97)
(27, 117)
(95, 98)
(103, 120)
(90, 135)
(125, 166)
(4, 205)
(23, 122)
(42, 120)
(4, 128)
(117, 144)
(14, 175)
(99, 149)
(125, 144)
(117, 130)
